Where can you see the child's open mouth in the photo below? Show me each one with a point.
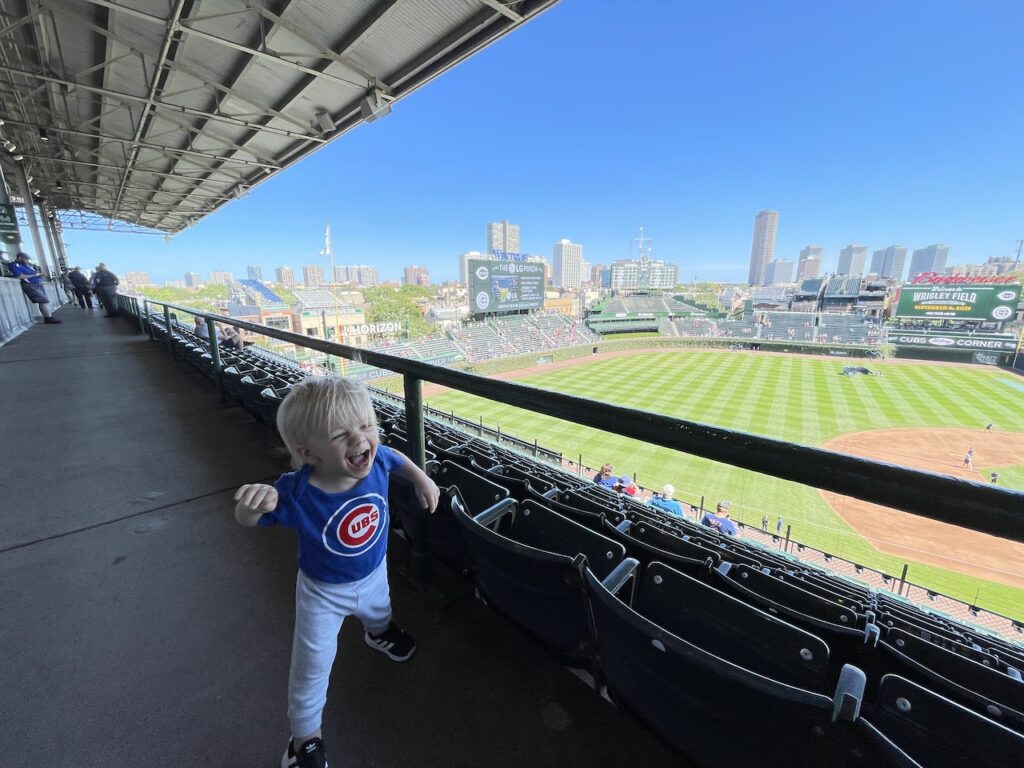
(360, 461)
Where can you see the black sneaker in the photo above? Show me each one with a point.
(397, 644)
(310, 755)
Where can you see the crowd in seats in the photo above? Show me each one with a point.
(518, 335)
(693, 631)
(825, 328)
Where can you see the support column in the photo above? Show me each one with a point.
(10, 232)
(30, 215)
(59, 262)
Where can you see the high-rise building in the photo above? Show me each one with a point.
(137, 278)
(361, 274)
(642, 274)
(763, 248)
(889, 262)
(502, 236)
(285, 275)
(595, 274)
(809, 265)
(254, 273)
(220, 277)
(416, 276)
(313, 275)
(193, 280)
(930, 259)
(567, 258)
(778, 271)
(851, 259)
(464, 265)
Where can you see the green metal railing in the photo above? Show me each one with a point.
(978, 506)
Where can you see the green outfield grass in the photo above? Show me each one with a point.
(798, 399)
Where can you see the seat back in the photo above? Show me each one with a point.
(938, 732)
(715, 711)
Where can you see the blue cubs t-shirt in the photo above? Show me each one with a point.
(342, 536)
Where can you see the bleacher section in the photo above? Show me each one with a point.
(259, 293)
(788, 326)
(836, 328)
(519, 334)
(693, 632)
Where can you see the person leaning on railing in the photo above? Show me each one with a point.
(32, 286)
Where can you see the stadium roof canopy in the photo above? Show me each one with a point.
(154, 113)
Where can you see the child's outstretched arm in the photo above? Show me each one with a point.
(253, 500)
(426, 490)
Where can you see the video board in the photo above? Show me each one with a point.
(505, 286)
(962, 301)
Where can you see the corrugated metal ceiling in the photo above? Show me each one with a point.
(157, 112)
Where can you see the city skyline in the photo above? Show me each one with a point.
(693, 169)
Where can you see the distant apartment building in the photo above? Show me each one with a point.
(174, 284)
(137, 278)
(889, 262)
(285, 275)
(595, 274)
(502, 236)
(464, 260)
(779, 271)
(193, 280)
(762, 250)
(220, 278)
(930, 259)
(254, 273)
(851, 259)
(416, 276)
(359, 274)
(313, 276)
(992, 268)
(809, 265)
(643, 274)
(567, 259)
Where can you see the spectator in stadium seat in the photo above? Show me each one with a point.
(720, 520)
(665, 502)
(625, 485)
(605, 476)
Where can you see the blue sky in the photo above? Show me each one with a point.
(872, 122)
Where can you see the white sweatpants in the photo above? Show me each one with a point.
(320, 609)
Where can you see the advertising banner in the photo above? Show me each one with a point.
(978, 341)
(966, 301)
(505, 286)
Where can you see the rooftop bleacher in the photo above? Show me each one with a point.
(260, 293)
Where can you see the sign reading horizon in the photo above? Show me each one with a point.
(505, 286)
(973, 299)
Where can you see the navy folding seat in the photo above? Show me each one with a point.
(714, 709)
(984, 690)
(528, 561)
(938, 732)
(641, 544)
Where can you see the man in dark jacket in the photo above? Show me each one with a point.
(81, 286)
(106, 283)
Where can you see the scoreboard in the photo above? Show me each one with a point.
(505, 286)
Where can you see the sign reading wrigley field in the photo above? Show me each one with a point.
(972, 298)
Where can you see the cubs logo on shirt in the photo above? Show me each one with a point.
(356, 525)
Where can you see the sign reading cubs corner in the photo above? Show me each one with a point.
(960, 298)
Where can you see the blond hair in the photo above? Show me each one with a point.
(319, 405)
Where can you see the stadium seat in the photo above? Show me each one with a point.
(528, 562)
(940, 733)
(716, 711)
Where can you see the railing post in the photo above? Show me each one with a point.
(149, 325)
(903, 579)
(419, 555)
(167, 325)
(215, 366)
(138, 315)
(785, 547)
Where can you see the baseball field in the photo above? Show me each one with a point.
(917, 414)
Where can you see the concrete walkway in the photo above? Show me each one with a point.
(139, 625)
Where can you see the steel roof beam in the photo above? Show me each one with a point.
(172, 108)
